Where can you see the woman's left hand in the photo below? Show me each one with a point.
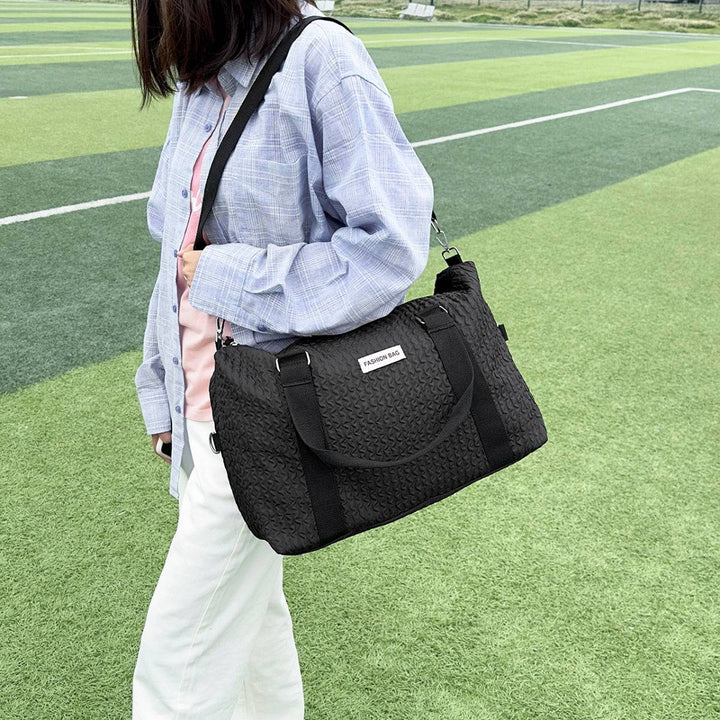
(190, 260)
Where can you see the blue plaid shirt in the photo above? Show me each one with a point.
(321, 221)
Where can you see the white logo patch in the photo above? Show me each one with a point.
(382, 358)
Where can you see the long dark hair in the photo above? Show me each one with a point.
(190, 40)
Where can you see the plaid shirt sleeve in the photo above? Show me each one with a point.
(150, 376)
(378, 191)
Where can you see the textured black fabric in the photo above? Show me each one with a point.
(451, 347)
(285, 493)
(392, 411)
(296, 379)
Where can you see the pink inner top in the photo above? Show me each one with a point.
(197, 329)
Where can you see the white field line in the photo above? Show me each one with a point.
(12, 219)
(569, 42)
(78, 54)
(60, 46)
(73, 208)
(398, 41)
(63, 46)
(588, 31)
(609, 45)
(383, 41)
(558, 116)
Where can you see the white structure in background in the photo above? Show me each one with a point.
(418, 10)
(326, 6)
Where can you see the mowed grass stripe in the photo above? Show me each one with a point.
(411, 87)
(65, 26)
(487, 180)
(53, 183)
(51, 38)
(478, 182)
(400, 27)
(79, 6)
(90, 12)
(35, 41)
(530, 34)
(118, 125)
(422, 53)
(639, 257)
(424, 124)
(398, 34)
(30, 6)
(90, 280)
(22, 60)
(33, 48)
(79, 70)
(108, 74)
(444, 34)
(390, 54)
(48, 19)
(44, 55)
(577, 540)
(393, 55)
(103, 121)
(56, 183)
(51, 49)
(629, 39)
(27, 6)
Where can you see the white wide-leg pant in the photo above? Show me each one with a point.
(218, 640)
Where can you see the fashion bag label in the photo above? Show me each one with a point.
(380, 359)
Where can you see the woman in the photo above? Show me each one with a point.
(320, 224)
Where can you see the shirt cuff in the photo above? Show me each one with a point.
(155, 411)
(218, 284)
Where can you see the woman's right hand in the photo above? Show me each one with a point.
(166, 437)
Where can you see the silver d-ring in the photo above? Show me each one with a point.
(212, 444)
(277, 360)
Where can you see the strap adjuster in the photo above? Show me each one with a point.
(277, 359)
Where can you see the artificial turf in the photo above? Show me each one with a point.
(581, 583)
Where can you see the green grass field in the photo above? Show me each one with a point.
(582, 583)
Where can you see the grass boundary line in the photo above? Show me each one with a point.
(63, 210)
(560, 116)
(25, 217)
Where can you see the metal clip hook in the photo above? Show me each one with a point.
(439, 233)
(442, 240)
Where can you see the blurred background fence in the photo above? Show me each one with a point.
(646, 5)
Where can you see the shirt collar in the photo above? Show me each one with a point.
(241, 70)
(238, 71)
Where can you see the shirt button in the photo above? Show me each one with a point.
(208, 127)
(174, 308)
(261, 328)
(175, 253)
(184, 192)
(175, 360)
(177, 408)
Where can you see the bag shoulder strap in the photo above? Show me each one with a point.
(252, 101)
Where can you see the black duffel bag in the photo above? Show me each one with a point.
(338, 434)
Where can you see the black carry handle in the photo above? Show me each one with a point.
(297, 382)
(252, 101)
